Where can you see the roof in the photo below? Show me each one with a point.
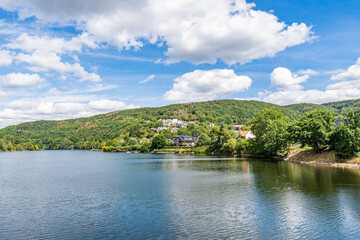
(187, 138)
(244, 133)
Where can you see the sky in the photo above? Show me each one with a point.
(76, 58)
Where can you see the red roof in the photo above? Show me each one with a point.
(244, 133)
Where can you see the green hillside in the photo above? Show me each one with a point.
(343, 107)
(131, 125)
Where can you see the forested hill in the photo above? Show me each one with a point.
(131, 122)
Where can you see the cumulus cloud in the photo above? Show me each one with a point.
(202, 85)
(6, 58)
(45, 43)
(199, 31)
(3, 94)
(43, 54)
(149, 78)
(310, 96)
(283, 79)
(290, 91)
(21, 79)
(41, 109)
(352, 73)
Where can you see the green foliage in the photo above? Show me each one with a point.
(270, 129)
(124, 130)
(241, 145)
(203, 139)
(158, 142)
(346, 138)
(314, 129)
(229, 146)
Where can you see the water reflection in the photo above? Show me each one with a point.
(263, 199)
(80, 194)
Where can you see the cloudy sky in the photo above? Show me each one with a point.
(74, 58)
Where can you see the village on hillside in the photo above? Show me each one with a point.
(174, 125)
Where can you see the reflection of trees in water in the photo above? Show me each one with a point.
(259, 198)
(277, 176)
(211, 165)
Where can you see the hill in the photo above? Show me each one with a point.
(95, 131)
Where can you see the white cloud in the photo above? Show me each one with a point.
(309, 72)
(45, 109)
(199, 31)
(6, 58)
(54, 92)
(310, 96)
(43, 54)
(352, 73)
(108, 105)
(290, 91)
(283, 79)
(21, 79)
(207, 85)
(3, 94)
(50, 44)
(149, 78)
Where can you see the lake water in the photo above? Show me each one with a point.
(83, 194)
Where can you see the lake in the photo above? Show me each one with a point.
(84, 194)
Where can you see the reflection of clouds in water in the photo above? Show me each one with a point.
(213, 200)
(349, 211)
(211, 197)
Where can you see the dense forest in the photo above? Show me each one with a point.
(134, 129)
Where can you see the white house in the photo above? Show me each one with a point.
(247, 134)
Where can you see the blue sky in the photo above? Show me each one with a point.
(65, 59)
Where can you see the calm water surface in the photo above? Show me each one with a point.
(83, 194)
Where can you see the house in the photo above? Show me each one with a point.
(174, 130)
(337, 122)
(237, 127)
(212, 125)
(185, 141)
(161, 128)
(246, 134)
(181, 125)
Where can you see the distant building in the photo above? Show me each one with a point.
(247, 134)
(337, 122)
(174, 130)
(161, 128)
(212, 125)
(170, 141)
(237, 127)
(185, 141)
(181, 125)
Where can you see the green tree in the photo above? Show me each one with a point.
(314, 129)
(270, 129)
(159, 141)
(346, 138)
(229, 146)
(203, 139)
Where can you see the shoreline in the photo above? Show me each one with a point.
(290, 158)
(328, 164)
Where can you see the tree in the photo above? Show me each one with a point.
(346, 139)
(314, 129)
(270, 129)
(203, 139)
(159, 141)
(229, 146)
